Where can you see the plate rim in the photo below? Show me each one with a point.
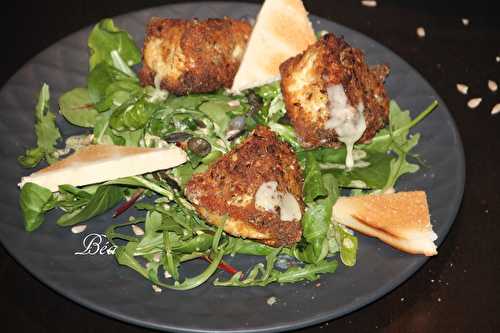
(290, 325)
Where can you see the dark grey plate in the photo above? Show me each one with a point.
(97, 282)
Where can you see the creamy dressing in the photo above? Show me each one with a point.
(269, 199)
(347, 121)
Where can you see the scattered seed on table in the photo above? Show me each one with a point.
(137, 230)
(420, 32)
(78, 228)
(462, 88)
(474, 102)
(369, 3)
(496, 109)
(492, 85)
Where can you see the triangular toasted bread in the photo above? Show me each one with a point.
(399, 219)
(282, 30)
(98, 163)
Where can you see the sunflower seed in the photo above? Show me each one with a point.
(465, 21)
(137, 230)
(462, 88)
(420, 32)
(474, 102)
(369, 3)
(78, 228)
(492, 85)
(496, 109)
(156, 288)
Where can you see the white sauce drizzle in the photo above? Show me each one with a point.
(347, 121)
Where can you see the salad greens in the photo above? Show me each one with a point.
(46, 132)
(120, 111)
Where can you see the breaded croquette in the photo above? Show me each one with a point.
(328, 90)
(255, 190)
(193, 56)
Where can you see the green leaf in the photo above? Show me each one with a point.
(316, 222)
(347, 243)
(309, 272)
(35, 201)
(313, 183)
(132, 115)
(77, 108)
(138, 181)
(217, 111)
(46, 132)
(103, 82)
(105, 38)
(105, 198)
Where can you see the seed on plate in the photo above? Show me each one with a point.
(496, 109)
(369, 3)
(137, 230)
(474, 102)
(492, 85)
(78, 228)
(234, 103)
(156, 288)
(271, 300)
(465, 21)
(462, 88)
(420, 32)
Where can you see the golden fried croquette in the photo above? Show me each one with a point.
(310, 79)
(232, 190)
(193, 56)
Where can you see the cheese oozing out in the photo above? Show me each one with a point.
(346, 120)
(268, 198)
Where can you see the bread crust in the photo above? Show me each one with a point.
(400, 219)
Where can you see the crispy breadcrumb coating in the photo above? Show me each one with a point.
(193, 56)
(228, 188)
(306, 78)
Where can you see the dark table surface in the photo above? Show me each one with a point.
(458, 290)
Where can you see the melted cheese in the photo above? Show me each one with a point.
(347, 121)
(269, 199)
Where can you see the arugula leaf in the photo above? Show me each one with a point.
(105, 198)
(308, 272)
(315, 224)
(106, 38)
(347, 244)
(46, 132)
(77, 108)
(138, 181)
(35, 201)
(313, 183)
(379, 169)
